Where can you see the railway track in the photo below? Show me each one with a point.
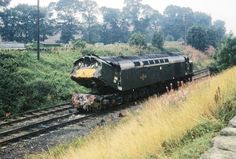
(200, 74)
(33, 122)
(29, 115)
(36, 122)
(16, 134)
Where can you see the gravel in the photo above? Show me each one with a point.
(63, 135)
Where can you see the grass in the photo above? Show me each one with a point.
(28, 84)
(46, 82)
(199, 58)
(166, 126)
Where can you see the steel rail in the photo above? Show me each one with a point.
(44, 130)
(35, 114)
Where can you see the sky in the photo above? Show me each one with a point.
(218, 9)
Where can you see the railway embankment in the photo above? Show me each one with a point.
(224, 145)
(179, 124)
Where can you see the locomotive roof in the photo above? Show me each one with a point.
(117, 59)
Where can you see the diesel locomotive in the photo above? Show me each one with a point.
(119, 79)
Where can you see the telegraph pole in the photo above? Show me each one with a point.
(38, 33)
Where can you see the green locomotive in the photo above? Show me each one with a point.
(115, 80)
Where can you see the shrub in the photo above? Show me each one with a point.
(137, 39)
(197, 37)
(226, 54)
(28, 84)
(79, 44)
(169, 38)
(158, 40)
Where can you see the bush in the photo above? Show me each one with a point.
(79, 44)
(226, 54)
(137, 39)
(26, 83)
(169, 38)
(197, 37)
(158, 40)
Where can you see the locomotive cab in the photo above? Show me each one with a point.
(86, 71)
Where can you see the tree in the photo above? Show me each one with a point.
(212, 37)
(67, 11)
(219, 27)
(226, 53)
(176, 21)
(202, 19)
(19, 24)
(132, 10)
(4, 3)
(158, 39)
(197, 37)
(89, 10)
(114, 27)
(79, 43)
(137, 39)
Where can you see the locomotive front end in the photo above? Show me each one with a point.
(86, 72)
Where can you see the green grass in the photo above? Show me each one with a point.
(29, 84)
(198, 140)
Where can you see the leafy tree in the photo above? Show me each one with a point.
(158, 39)
(4, 3)
(137, 39)
(89, 10)
(226, 53)
(19, 24)
(176, 21)
(95, 33)
(114, 27)
(79, 43)
(219, 27)
(66, 13)
(132, 10)
(202, 19)
(212, 37)
(197, 37)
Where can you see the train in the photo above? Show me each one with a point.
(114, 80)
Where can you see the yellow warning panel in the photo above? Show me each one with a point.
(85, 73)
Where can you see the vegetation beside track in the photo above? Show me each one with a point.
(176, 125)
(27, 84)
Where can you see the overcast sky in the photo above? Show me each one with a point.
(218, 9)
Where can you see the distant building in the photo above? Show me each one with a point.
(11, 45)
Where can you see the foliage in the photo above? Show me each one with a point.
(137, 39)
(24, 17)
(79, 44)
(114, 27)
(89, 10)
(4, 3)
(197, 37)
(177, 20)
(200, 59)
(158, 39)
(79, 18)
(66, 12)
(226, 54)
(28, 84)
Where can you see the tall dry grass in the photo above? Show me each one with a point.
(195, 54)
(162, 119)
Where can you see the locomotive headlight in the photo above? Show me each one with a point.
(115, 79)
